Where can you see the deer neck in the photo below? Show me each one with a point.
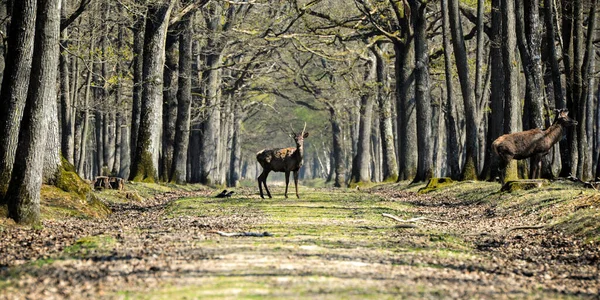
(554, 132)
(300, 150)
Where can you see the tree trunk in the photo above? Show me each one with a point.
(23, 193)
(578, 108)
(236, 149)
(511, 103)
(169, 103)
(529, 42)
(145, 164)
(586, 100)
(138, 63)
(568, 152)
(14, 85)
(67, 118)
(422, 94)
(360, 163)
(405, 103)
(470, 168)
(452, 155)
(184, 100)
(386, 130)
(496, 116)
(336, 132)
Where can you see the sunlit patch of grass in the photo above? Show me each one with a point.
(100, 244)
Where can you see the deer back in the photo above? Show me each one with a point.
(280, 160)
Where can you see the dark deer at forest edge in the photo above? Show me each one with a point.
(282, 160)
(532, 143)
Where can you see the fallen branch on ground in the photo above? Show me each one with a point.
(524, 228)
(259, 234)
(414, 220)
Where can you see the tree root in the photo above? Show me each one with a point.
(258, 234)
(414, 220)
(524, 228)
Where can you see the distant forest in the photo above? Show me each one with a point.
(189, 91)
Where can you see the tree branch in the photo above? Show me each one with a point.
(70, 19)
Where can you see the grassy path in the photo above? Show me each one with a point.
(330, 244)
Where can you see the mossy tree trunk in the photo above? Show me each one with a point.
(23, 193)
(145, 164)
(14, 85)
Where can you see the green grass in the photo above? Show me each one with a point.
(100, 244)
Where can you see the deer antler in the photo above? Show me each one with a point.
(303, 129)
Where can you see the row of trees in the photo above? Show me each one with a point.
(189, 90)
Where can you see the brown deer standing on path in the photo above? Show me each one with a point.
(282, 160)
(532, 143)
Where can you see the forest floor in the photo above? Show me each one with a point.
(329, 244)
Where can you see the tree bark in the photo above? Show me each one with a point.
(422, 93)
(169, 103)
(15, 82)
(511, 103)
(338, 164)
(585, 164)
(452, 154)
(496, 116)
(67, 118)
(567, 37)
(145, 164)
(470, 168)
(405, 101)
(23, 193)
(184, 100)
(138, 64)
(386, 130)
(360, 163)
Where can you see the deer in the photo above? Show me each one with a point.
(532, 143)
(282, 160)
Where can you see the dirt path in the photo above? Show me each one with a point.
(329, 244)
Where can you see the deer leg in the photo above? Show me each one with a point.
(296, 183)
(287, 182)
(260, 180)
(265, 183)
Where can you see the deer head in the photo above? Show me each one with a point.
(563, 119)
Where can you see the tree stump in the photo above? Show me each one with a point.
(107, 182)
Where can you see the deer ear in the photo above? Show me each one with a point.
(305, 134)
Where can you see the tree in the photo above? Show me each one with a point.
(361, 161)
(23, 192)
(422, 93)
(145, 163)
(511, 109)
(470, 168)
(184, 99)
(15, 83)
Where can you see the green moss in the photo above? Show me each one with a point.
(88, 244)
(145, 170)
(525, 184)
(511, 172)
(469, 172)
(436, 183)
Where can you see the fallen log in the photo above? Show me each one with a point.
(258, 234)
(414, 220)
